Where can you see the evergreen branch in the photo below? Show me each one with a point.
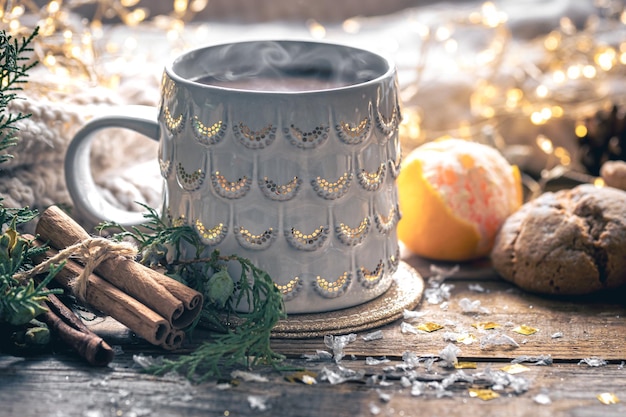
(179, 250)
(12, 54)
(13, 75)
(20, 302)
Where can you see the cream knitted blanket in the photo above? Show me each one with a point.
(123, 164)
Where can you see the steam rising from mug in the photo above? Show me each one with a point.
(318, 67)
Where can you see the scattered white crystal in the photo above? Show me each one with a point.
(621, 365)
(476, 288)
(497, 339)
(450, 323)
(593, 361)
(377, 335)
(174, 376)
(541, 360)
(384, 396)
(223, 386)
(408, 328)
(258, 402)
(428, 362)
(340, 375)
(444, 306)
(374, 409)
(373, 361)
(519, 384)
(418, 388)
(499, 380)
(458, 376)
(100, 382)
(338, 343)
(542, 398)
(438, 294)
(451, 336)
(383, 381)
(440, 390)
(448, 355)
(146, 361)
(372, 380)
(410, 359)
(124, 393)
(459, 337)
(117, 350)
(556, 335)
(469, 306)
(138, 412)
(410, 314)
(319, 356)
(405, 382)
(248, 376)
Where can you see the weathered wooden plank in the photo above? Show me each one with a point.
(589, 327)
(63, 386)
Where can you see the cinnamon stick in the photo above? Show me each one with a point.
(73, 332)
(162, 294)
(116, 303)
(192, 300)
(174, 340)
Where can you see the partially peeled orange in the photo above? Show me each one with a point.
(454, 195)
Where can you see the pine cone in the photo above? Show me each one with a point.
(605, 139)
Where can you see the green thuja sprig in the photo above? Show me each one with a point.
(20, 301)
(14, 67)
(180, 251)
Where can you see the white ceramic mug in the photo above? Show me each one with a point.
(284, 152)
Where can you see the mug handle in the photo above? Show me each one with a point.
(87, 199)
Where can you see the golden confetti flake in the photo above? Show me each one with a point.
(525, 330)
(305, 377)
(483, 394)
(607, 398)
(429, 327)
(516, 368)
(466, 365)
(466, 339)
(485, 325)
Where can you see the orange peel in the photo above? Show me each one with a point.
(454, 196)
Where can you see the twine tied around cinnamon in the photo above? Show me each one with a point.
(90, 252)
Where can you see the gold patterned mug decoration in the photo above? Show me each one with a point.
(284, 152)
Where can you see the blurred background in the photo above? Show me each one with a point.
(541, 80)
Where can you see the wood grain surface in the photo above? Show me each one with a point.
(60, 384)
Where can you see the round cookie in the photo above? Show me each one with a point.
(568, 242)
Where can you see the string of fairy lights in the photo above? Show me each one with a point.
(569, 80)
(70, 45)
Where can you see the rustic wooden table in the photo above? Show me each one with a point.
(573, 335)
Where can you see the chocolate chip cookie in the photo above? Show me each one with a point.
(567, 242)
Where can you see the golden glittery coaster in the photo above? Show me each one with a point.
(404, 293)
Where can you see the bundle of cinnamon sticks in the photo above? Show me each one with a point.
(152, 305)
